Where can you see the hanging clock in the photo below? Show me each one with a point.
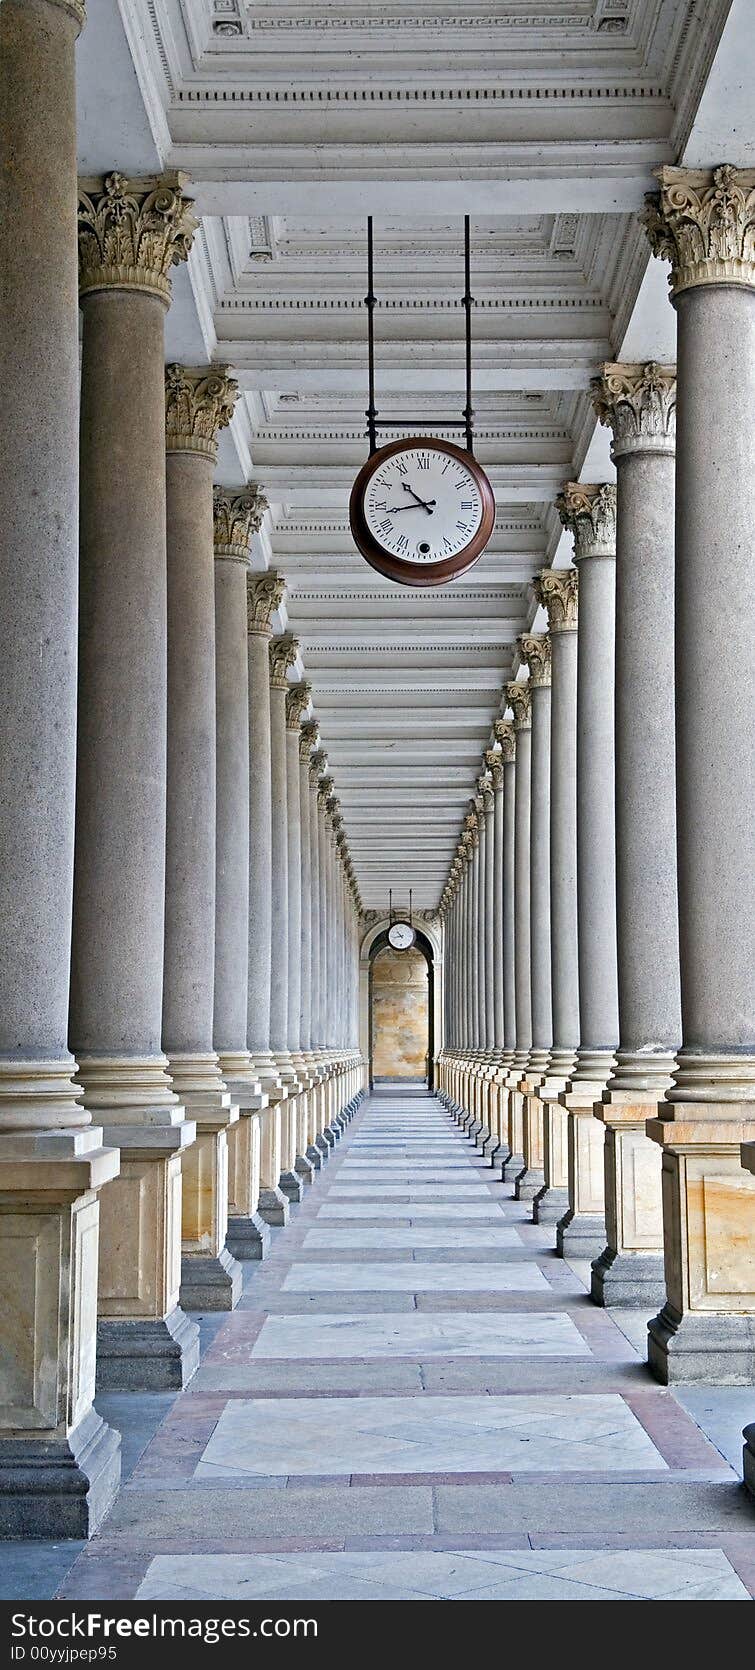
(421, 511)
(401, 935)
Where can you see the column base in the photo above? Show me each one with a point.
(528, 1183)
(210, 1281)
(291, 1186)
(248, 1236)
(59, 1488)
(634, 1280)
(148, 1354)
(511, 1167)
(304, 1168)
(580, 1235)
(550, 1205)
(709, 1349)
(273, 1207)
(331, 1137)
(316, 1156)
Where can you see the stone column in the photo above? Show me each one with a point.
(236, 517)
(283, 653)
(317, 1146)
(556, 591)
(197, 404)
(590, 513)
(59, 1462)
(297, 701)
(264, 595)
(638, 403)
(324, 792)
(130, 233)
(505, 736)
(703, 222)
(494, 763)
(518, 698)
(535, 651)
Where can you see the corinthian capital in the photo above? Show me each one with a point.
(557, 590)
(535, 650)
(518, 698)
(506, 736)
(131, 232)
(324, 790)
(236, 516)
(703, 221)
(198, 402)
(76, 9)
(309, 738)
(494, 763)
(297, 702)
(264, 594)
(588, 510)
(638, 404)
(485, 792)
(283, 653)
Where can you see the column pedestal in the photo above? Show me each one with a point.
(629, 1271)
(247, 1236)
(552, 1201)
(531, 1179)
(581, 1232)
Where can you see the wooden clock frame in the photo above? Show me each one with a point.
(396, 568)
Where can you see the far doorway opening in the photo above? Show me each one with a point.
(401, 1013)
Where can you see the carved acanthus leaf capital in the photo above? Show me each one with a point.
(557, 590)
(283, 653)
(131, 232)
(494, 763)
(518, 698)
(309, 738)
(588, 510)
(264, 594)
(505, 735)
(75, 8)
(638, 404)
(236, 516)
(297, 701)
(324, 790)
(198, 402)
(535, 650)
(703, 221)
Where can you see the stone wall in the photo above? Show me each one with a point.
(400, 1014)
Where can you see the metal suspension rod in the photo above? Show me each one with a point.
(371, 413)
(468, 300)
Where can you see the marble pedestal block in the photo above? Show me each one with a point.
(552, 1200)
(272, 1206)
(705, 1331)
(629, 1270)
(248, 1235)
(210, 1275)
(145, 1342)
(581, 1232)
(59, 1462)
(289, 1181)
(511, 1167)
(531, 1178)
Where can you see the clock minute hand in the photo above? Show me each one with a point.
(427, 504)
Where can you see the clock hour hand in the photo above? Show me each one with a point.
(427, 504)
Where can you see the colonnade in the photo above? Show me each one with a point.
(178, 912)
(614, 1077)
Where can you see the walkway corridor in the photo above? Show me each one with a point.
(416, 1399)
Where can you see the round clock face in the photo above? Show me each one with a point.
(422, 511)
(400, 936)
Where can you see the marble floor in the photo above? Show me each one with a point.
(415, 1399)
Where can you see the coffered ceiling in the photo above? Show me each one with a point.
(544, 123)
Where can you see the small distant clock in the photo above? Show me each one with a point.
(401, 935)
(421, 511)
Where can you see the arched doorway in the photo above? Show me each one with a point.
(401, 1012)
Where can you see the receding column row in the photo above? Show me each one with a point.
(629, 1092)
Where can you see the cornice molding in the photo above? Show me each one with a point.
(236, 94)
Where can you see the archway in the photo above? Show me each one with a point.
(401, 1011)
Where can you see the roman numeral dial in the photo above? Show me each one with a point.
(422, 506)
